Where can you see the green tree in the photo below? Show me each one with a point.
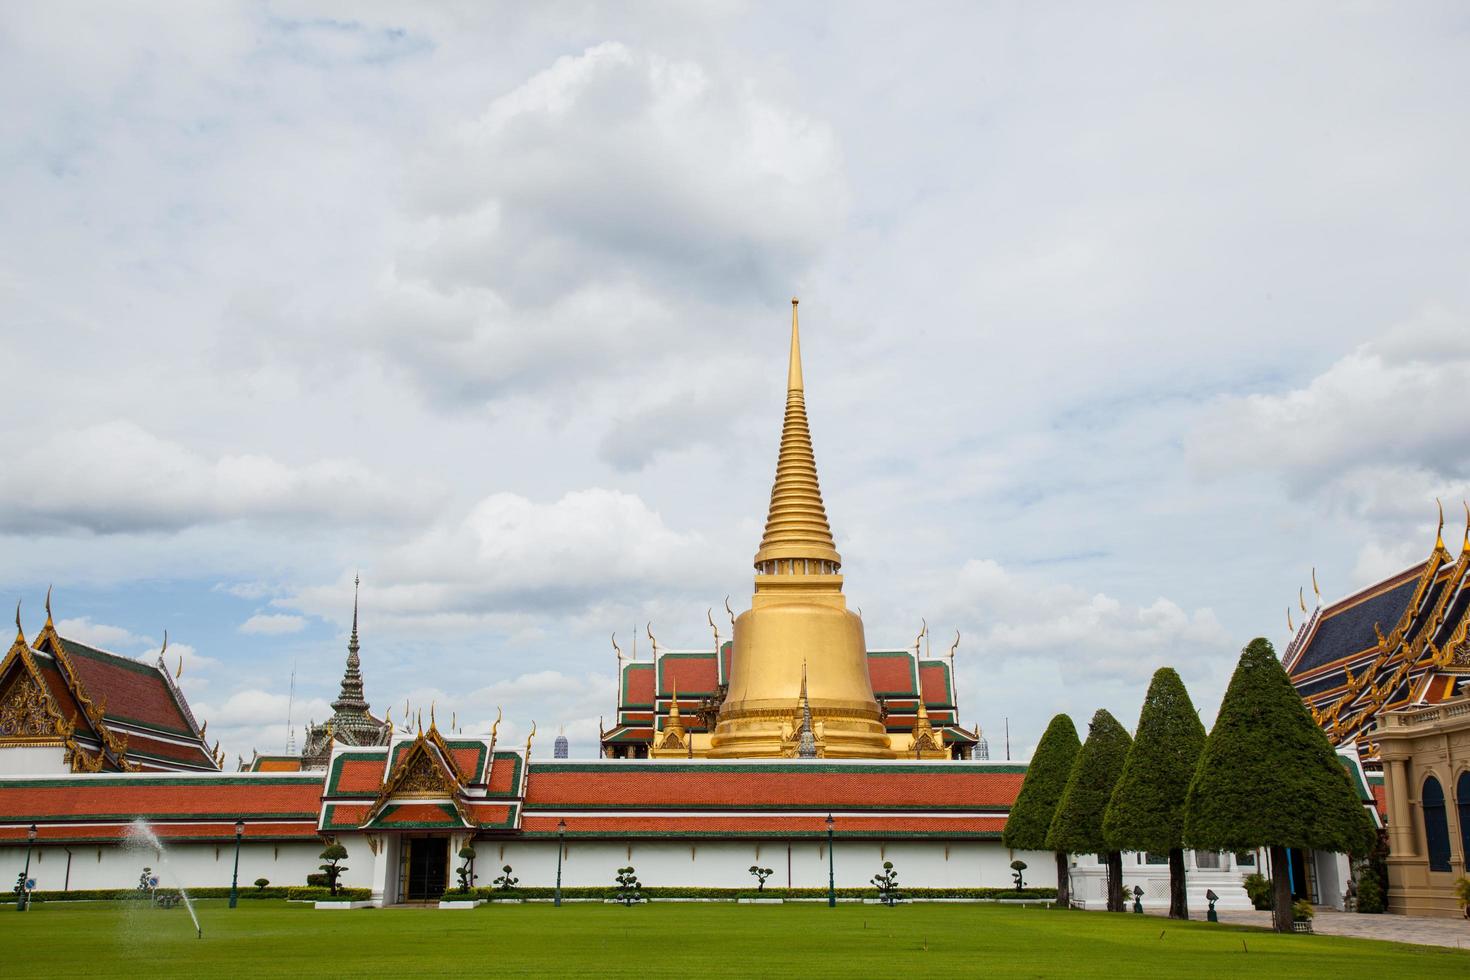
(1030, 817)
(1077, 825)
(334, 854)
(1146, 812)
(1269, 778)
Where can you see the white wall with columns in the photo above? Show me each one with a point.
(187, 864)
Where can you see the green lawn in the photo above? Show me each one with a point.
(274, 939)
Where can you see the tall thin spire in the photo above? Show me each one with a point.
(351, 698)
(806, 743)
(796, 525)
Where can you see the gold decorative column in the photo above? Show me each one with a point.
(798, 614)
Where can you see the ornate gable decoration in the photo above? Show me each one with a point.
(426, 771)
(27, 712)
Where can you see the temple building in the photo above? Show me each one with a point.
(797, 671)
(68, 707)
(1399, 643)
(789, 745)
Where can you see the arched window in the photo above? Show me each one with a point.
(1436, 826)
(1462, 796)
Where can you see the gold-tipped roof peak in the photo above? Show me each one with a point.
(796, 525)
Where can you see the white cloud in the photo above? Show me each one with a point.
(1088, 636)
(272, 624)
(99, 635)
(117, 477)
(512, 555)
(1375, 427)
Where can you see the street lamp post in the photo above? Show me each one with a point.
(235, 878)
(23, 900)
(831, 868)
(561, 836)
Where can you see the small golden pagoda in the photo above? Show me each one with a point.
(799, 623)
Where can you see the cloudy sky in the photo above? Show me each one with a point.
(1116, 322)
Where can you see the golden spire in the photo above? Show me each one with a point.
(673, 699)
(48, 608)
(20, 634)
(1439, 534)
(796, 526)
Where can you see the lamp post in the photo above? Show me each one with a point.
(831, 868)
(561, 836)
(235, 878)
(23, 900)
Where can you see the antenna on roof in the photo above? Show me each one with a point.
(291, 703)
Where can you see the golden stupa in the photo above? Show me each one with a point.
(800, 664)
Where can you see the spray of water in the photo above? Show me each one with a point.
(141, 835)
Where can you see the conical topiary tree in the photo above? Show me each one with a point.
(1268, 777)
(1077, 825)
(1030, 817)
(1146, 812)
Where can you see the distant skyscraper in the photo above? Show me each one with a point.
(560, 751)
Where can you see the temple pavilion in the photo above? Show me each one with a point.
(1399, 643)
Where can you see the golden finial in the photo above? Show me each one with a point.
(388, 717)
(617, 649)
(710, 615)
(793, 370)
(20, 633)
(1318, 592)
(797, 538)
(1301, 598)
(203, 728)
(654, 640)
(923, 632)
(495, 727)
(673, 697)
(1289, 627)
(954, 646)
(730, 611)
(453, 719)
(529, 737)
(48, 607)
(1465, 546)
(1439, 534)
(421, 721)
(433, 725)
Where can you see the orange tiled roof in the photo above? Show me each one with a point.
(813, 825)
(124, 797)
(216, 830)
(794, 785)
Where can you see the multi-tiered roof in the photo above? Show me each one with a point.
(108, 713)
(1400, 642)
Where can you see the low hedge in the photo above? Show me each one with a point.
(1031, 894)
(132, 894)
(317, 894)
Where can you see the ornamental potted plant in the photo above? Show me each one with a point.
(1301, 916)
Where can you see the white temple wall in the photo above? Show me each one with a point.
(193, 865)
(726, 864)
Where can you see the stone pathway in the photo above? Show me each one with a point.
(1420, 929)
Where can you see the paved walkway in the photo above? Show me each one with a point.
(1420, 929)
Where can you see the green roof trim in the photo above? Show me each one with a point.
(658, 685)
(623, 693)
(913, 688)
(943, 665)
(335, 774)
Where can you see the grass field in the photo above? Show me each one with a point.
(274, 939)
